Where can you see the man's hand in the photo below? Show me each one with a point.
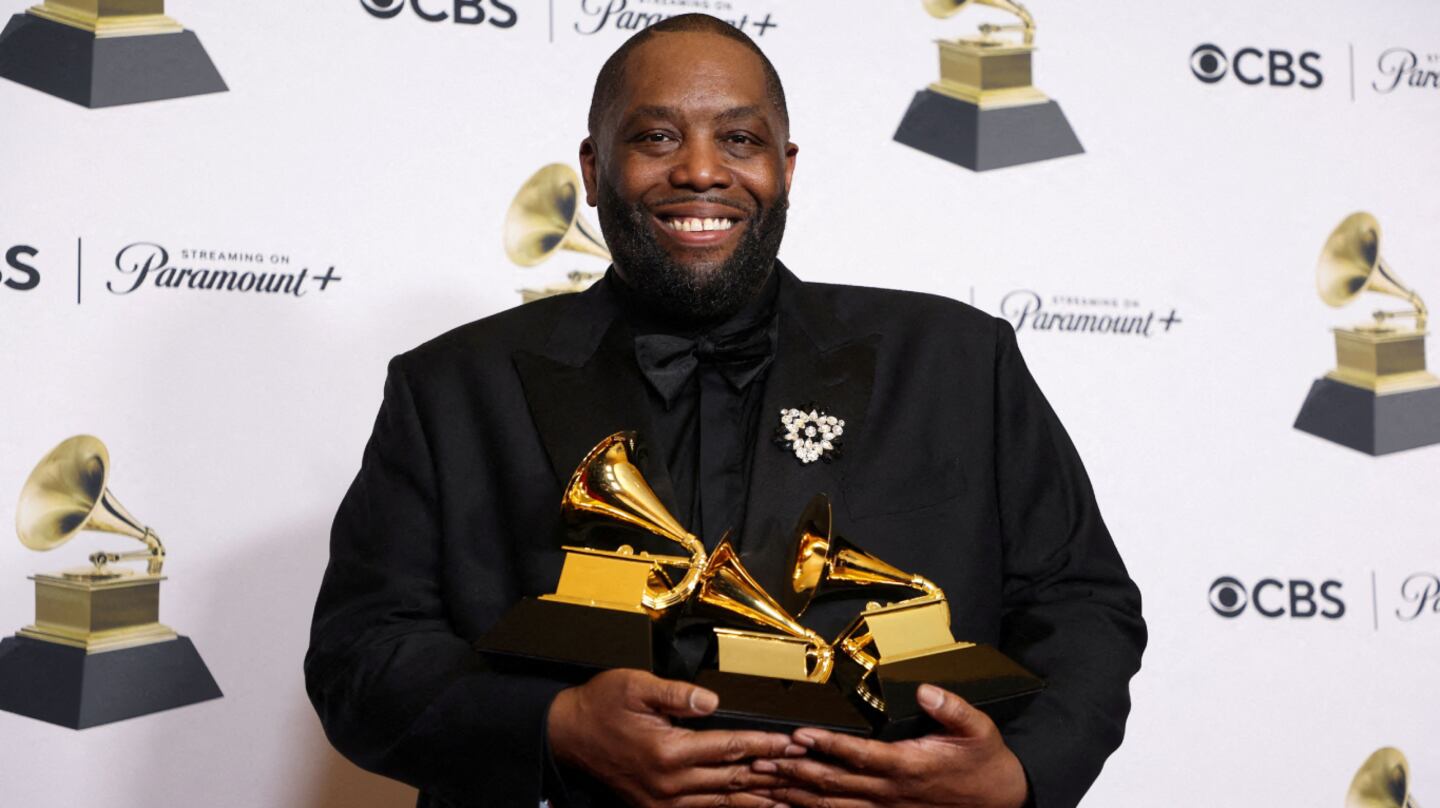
(617, 727)
(966, 764)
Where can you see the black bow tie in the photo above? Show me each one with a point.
(668, 361)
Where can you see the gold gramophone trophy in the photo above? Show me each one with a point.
(1379, 398)
(889, 650)
(1383, 781)
(101, 53)
(97, 651)
(984, 112)
(604, 607)
(545, 218)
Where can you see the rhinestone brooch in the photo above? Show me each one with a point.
(811, 433)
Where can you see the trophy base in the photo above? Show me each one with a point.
(1371, 422)
(64, 685)
(777, 705)
(104, 71)
(567, 641)
(963, 133)
(980, 674)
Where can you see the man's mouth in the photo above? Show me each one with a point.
(696, 224)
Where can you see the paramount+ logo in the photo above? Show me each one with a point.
(463, 12)
(1275, 598)
(1252, 66)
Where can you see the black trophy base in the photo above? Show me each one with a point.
(96, 72)
(66, 686)
(777, 705)
(980, 674)
(981, 139)
(567, 641)
(1370, 423)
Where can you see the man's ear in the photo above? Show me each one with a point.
(790, 151)
(587, 169)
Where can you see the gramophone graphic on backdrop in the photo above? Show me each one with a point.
(97, 651)
(1379, 398)
(984, 113)
(622, 607)
(1382, 781)
(544, 219)
(101, 53)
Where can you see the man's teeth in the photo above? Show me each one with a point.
(696, 224)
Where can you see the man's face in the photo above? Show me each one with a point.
(690, 170)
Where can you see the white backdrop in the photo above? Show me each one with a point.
(389, 149)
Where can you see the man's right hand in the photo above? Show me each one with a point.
(618, 728)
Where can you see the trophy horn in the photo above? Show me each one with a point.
(545, 217)
(822, 563)
(947, 8)
(1382, 781)
(1351, 263)
(729, 590)
(607, 488)
(68, 492)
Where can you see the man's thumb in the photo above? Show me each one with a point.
(952, 712)
(678, 699)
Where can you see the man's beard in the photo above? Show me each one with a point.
(706, 293)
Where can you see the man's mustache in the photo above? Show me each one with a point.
(706, 199)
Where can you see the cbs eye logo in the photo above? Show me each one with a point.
(1252, 66)
(1296, 597)
(465, 12)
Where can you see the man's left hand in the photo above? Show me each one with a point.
(965, 764)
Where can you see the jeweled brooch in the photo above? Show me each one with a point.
(811, 433)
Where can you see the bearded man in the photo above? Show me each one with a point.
(954, 467)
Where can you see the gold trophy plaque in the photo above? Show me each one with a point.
(545, 218)
(1379, 398)
(101, 53)
(984, 112)
(97, 651)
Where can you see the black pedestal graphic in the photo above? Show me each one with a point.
(66, 686)
(1370, 423)
(980, 674)
(104, 71)
(777, 705)
(568, 641)
(982, 139)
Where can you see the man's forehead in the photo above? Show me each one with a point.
(693, 73)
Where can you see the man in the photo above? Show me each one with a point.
(953, 466)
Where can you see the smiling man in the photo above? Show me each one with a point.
(954, 467)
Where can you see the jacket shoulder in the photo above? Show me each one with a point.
(524, 327)
(867, 308)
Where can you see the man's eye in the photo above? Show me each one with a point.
(741, 138)
(654, 137)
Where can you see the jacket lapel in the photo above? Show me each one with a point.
(585, 385)
(818, 360)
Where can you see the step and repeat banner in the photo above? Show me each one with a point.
(1213, 227)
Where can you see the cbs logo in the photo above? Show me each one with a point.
(1280, 68)
(16, 273)
(465, 12)
(1274, 598)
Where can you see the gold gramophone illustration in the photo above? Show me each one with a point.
(984, 112)
(544, 219)
(1383, 781)
(101, 53)
(1380, 398)
(99, 623)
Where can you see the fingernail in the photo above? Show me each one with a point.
(794, 751)
(929, 697)
(764, 767)
(805, 739)
(703, 701)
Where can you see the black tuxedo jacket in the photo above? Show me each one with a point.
(954, 467)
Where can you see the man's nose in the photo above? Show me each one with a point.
(700, 166)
